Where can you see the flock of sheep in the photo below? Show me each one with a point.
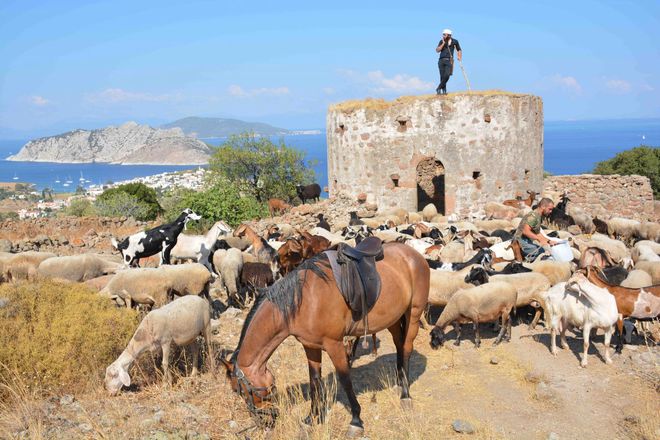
(475, 277)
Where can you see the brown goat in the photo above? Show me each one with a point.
(260, 248)
(290, 255)
(313, 244)
(529, 201)
(277, 206)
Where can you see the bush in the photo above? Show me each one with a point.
(223, 201)
(642, 160)
(144, 195)
(11, 215)
(80, 208)
(121, 204)
(61, 335)
(260, 168)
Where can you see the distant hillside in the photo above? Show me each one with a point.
(220, 127)
(129, 143)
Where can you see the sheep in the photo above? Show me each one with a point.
(334, 238)
(309, 192)
(493, 225)
(256, 275)
(650, 231)
(444, 284)
(652, 268)
(655, 247)
(503, 250)
(600, 225)
(199, 247)
(229, 264)
(429, 212)
(454, 252)
(637, 279)
(157, 286)
(579, 303)
(77, 268)
(23, 266)
(414, 217)
(181, 321)
(583, 220)
(555, 271)
(99, 283)
(644, 253)
(623, 228)
(496, 210)
(485, 303)
(529, 287)
(617, 250)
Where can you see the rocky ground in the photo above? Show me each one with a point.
(515, 391)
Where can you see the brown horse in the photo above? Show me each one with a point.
(308, 305)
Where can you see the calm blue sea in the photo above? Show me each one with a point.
(571, 147)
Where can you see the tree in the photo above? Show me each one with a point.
(122, 204)
(642, 160)
(258, 167)
(80, 208)
(146, 197)
(47, 194)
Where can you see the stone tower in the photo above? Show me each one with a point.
(456, 151)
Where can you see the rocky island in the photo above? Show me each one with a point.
(130, 143)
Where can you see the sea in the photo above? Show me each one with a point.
(571, 147)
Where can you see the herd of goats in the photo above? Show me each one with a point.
(476, 273)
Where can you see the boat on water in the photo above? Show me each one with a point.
(68, 180)
(66, 184)
(15, 177)
(82, 179)
(57, 180)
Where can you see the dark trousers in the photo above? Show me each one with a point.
(444, 66)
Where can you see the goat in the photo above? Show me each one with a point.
(309, 192)
(277, 206)
(199, 247)
(161, 239)
(260, 248)
(579, 303)
(322, 223)
(558, 215)
(355, 220)
(483, 257)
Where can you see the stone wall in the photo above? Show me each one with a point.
(605, 196)
(486, 146)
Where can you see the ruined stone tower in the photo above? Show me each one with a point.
(456, 151)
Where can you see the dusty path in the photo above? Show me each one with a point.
(514, 391)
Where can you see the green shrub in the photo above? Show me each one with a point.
(121, 204)
(144, 195)
(642, 160)
(80, 208)
(60, 335)
(220, 202)
(11, 215)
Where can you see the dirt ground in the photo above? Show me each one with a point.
(517, 390)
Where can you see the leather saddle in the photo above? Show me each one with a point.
(354, 270)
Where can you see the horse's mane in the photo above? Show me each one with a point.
(286, 293)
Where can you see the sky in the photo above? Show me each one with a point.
(89, 64)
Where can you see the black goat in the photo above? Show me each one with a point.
(355, 220)
(479, 275)
(309, 192)
(483, 257)
(501, 233)
(558, 215)
(323, 223)
(601, 226)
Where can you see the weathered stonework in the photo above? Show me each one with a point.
(605, 196)
(479, 147)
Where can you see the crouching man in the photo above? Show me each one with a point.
(528, 235)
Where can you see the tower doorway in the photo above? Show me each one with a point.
(431, 184)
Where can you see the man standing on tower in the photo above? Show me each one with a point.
(446, 48)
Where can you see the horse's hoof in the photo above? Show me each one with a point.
(406, 403)
(354, 431)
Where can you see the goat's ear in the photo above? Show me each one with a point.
(124, 377)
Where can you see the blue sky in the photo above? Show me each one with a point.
(87, 64)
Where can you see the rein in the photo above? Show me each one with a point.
(247, 391)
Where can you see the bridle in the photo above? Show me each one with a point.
(248, 391)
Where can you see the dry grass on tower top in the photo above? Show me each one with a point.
(381, 104)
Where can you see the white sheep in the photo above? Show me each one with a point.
(77, 268)
(180, 321)
(454, 252)
(492, 225)
(579, 303)
(496, 210)
(157, 286)
(583, 220)
(503, 250)
(555, 271)
(199, 247)
(444, 284)
(652, 268)
(429, 212)
(637, 279)
(650, 231)
(617, 249)
(644, 253)
(623, 228)
(228, 264)
(23, 266)
(486, 303)
(655, 247)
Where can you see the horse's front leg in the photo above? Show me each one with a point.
(316, 392)
(339, 357)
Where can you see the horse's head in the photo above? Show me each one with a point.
(260, 399)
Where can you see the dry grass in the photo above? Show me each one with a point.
(380, 104)
(60, 335)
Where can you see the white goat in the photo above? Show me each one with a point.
(181, 321)
(199, 247)
(579, 303)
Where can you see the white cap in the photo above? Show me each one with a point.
(447, 31)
